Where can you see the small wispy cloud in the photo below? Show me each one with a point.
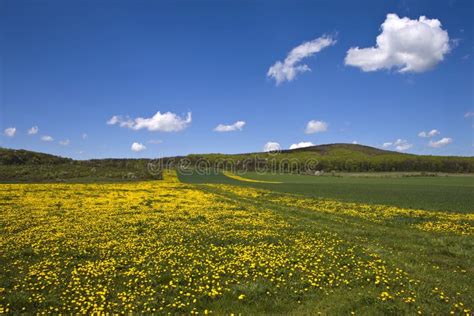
(237, 126)
(399, 145)
(314, 126)
(10, 132)
(292, 66)
(166, 122)
(155, 141)
(440, 143)
(47, 138)
(301, 145)
(469, 114)
(84, 136)
(64, 142)
(431, 133)
(33, 130)
(402, 145)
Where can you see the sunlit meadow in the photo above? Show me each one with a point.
(170, 247)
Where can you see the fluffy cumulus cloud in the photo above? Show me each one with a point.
(431, 133)
(138, 147)
(271, 146)
(162, 122)
(403, 44)
(64, 142)
(33, 130)
(10, 132)
(301, 145)
(47, 138)
(316, 127)
(440, 143)
(292, 66)
(237, 126)
(387, 144)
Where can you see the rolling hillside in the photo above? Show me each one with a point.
(345, 157)
(23, 165)
(29, 166)
(335, 148)
(26, 157)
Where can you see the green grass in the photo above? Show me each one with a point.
(436, 259)
(149, 234)
(444, 193)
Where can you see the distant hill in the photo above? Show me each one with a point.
(22, 157)
(24, 165)
(347, 157)
(30, 166)
(334, 148)
(322, 150)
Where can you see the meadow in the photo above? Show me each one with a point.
(226, 248)
(411, 190)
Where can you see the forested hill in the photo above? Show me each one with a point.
(23, 165)
(29, 166)
(22, 157)
(348, 157)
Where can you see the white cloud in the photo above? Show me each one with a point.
(301, 145)
(431, 133)
(422, 134)
(440, 143)
(33, 130)
(166, 122)
(64, 142)
(138, 147)
(402, 145)
(47, 138)
(271, 146)
(469, 114)
(355, 142)
(316, 127)
(404, 44)
(237, 126)
(10, 132)
(84, 136)
(114, 120)
(291, 67)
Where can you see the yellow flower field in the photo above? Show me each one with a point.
(458, 223)
(169, 247)
(236, 177)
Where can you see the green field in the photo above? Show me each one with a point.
(87, 237)
(447, 193)
(167, 247)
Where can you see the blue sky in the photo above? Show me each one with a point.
(68, 67)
